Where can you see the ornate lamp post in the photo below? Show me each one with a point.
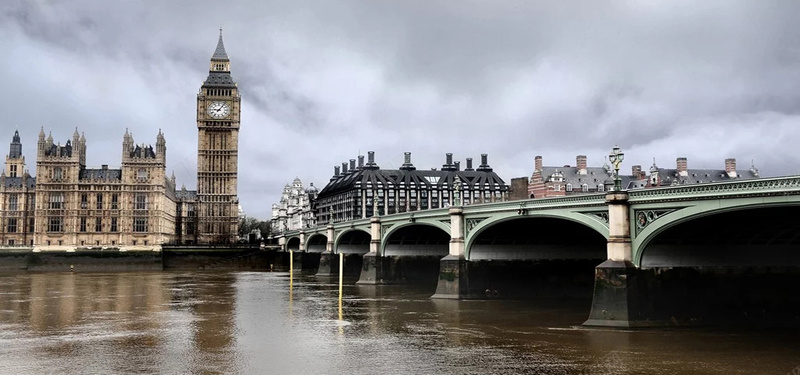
(615, 157)
(457, 191)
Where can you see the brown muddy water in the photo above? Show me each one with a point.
(269, 323)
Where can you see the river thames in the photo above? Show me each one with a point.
(269, 323)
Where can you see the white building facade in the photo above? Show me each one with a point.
(294, 211)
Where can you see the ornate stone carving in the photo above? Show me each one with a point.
(599, 216)
(643, 218)
(471, 223)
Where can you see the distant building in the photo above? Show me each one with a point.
(365, 190)
(294, 211)
(582, 179)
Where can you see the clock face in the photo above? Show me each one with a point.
(219, 109)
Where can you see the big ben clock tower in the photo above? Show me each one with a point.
(218, 109)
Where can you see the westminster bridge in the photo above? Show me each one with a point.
(646, 257)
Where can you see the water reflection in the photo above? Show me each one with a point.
(290, 323)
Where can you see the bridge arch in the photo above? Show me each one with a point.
(551, 236)
(293, 243)
(317, 243)
(732, 235)
(353, 241)
(417, 239)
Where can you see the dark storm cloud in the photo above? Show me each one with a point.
(323, 81)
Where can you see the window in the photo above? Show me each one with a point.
(56, 201)
(99, 201)
(55, 224)
(189, 228)
(13, 170)
(140, 224)
(12, 225)
(82, 226)
(31, 225)
(140, 202)
(58, 173)
(141, 174)
(13, 202)
(569, 187)
(115, 201)
(600, 187)
(98, 224)
(84, 201)
(113, 224)
(584, 188)
(10, 242)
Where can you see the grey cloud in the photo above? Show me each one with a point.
(322, 81)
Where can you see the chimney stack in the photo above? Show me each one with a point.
(458, 165)
(484, 167)
(344, 168)
(637, 172)
(537, 163)
(469, 165)
(448, 165)
(352, 165)
(730, 167)
(580, 163)
(407, 166)
(682, 167)
(360, 161)
(370, 160)
(336, 171)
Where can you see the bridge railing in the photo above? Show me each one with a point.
(789, 185)
(578, 200)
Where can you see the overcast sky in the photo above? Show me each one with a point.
(322, 81)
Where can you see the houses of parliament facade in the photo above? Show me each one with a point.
(68, 206)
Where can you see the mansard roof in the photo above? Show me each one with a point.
(17, 182)
(57, 150)
(100, 174)
(219, 79)
(695, 176)
(186, 194)
(593, 176)
(420, 179)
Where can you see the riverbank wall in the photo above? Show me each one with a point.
(168, 258)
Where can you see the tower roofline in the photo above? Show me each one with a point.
(219, 53)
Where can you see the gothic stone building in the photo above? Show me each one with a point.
(367, 190)
(129, 208)
(135, 207)
(17, 199)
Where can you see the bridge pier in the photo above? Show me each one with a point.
(373, 266)
(453, 280)
(328, 261)
(621, 296)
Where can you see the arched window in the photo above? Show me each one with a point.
(585, 188)
(569, 187)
